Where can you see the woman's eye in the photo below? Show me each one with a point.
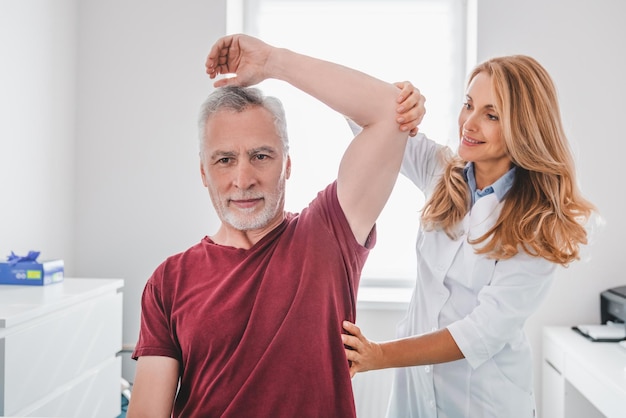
(493, 117)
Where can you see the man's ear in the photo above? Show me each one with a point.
(203, 174)
(288, 168)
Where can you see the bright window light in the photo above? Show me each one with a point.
(422, 41)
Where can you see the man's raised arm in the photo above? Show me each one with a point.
(371, 163)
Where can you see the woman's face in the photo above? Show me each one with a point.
(481, 133)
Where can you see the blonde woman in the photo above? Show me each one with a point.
(500, 216)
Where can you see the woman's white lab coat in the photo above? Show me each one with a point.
(483, 303)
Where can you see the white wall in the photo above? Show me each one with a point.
(37, 125)
(98, 159)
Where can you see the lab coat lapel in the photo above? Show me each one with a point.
(438, 252)
(483, 215)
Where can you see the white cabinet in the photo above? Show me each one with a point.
(582, 379)
(58, 349)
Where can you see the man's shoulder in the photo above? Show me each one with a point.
(322, 217)
(190, 252)
(175, 264)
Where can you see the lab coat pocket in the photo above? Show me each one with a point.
(507, 398)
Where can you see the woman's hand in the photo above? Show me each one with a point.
(243, 55)
(411, 108)
(362, 354)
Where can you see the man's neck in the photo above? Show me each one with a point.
(244, 239)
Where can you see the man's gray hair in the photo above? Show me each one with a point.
(239, 99)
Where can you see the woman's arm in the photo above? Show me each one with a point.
(433, 348)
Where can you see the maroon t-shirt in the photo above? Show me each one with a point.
(257, 332)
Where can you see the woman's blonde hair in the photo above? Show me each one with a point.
(544, 212)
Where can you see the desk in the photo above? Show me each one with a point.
(581, 378)
(58, 349)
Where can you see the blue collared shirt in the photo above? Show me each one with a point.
(499, 187)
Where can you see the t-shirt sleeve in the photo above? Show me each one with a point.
(155, 336)
(333, 215)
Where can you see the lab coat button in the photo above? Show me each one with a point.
(427, 369)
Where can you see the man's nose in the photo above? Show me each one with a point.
(245, 176)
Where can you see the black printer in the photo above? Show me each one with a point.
(613, 305)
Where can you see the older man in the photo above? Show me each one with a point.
(247, 322)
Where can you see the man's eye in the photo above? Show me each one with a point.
(261, 157)
(224, 160)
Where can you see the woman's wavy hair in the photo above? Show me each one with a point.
(544, 213)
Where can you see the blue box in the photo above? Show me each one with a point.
(32, 273)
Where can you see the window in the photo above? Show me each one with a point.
(418, 40)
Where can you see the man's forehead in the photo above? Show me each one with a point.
(238, 150)
(242, 141)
